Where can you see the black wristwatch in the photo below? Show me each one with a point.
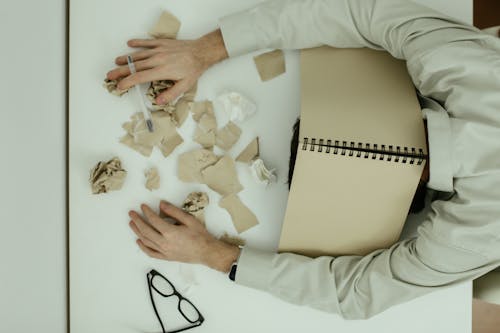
(232, 272)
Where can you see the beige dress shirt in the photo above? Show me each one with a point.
(457, 68)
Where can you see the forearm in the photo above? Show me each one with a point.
(210, 48)
(220, 256)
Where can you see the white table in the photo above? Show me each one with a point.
(109, 289)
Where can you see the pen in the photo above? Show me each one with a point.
(145, 111)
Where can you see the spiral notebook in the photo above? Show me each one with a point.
(362, 150)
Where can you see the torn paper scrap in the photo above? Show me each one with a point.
(207, 122)
(195, 204)
(205, 130)
(168, 144)
(250, 153)
(152, 179)
(128, 140)
(164, 136)
(112, 87)
(227, 136)
(242, 217)
(235, 105)
(198, 109)
(155, 89)
(205, 139)
(107, 176)
(181, 111)
(163, 128)
(167, 26)
(261, 173)
(222, 177)
(177, 109)
(270, 64)
(191, 163)
(233, 240)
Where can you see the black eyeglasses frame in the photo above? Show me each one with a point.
(194, 323)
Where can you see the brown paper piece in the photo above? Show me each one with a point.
(250, 153)
(227, 136)
(198, 109)
(222, 177)
(191, 163)
(181, 112)
(205, 131)
(207, 123)
(167, 145)
(128, 140)
(270, 64)
(167, 26)
(205, 139)
(178, 109)
(154, 90)
(107, 176)
(195, 204)
(242, 217)
(152, 179)
(164, 136)
(233, 240)
(111, 86)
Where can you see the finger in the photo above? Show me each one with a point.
(150, 252)
(177, 213)
(140, 77)
(173, 92)
(124, 70)
(136, 56)
(155, 220)
(145, 240)
(144, 43)
(145, 228)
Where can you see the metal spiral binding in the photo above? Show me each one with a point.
(387, 153)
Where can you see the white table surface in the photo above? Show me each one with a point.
(108, 282)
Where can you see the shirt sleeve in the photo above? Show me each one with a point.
(394, 25)
(454, 64)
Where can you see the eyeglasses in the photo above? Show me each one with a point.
(161, 285)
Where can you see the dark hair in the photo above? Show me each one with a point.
(417, 204)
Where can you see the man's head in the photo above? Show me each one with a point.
(417, 204)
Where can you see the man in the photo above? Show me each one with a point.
(455, 67)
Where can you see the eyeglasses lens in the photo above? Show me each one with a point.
(162, 286)
(189, 311)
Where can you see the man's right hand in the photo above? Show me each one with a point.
(182, 61)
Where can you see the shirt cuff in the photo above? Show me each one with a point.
(237, 32)
(254, 267)
(440, 159)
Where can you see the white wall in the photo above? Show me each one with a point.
(32, 172)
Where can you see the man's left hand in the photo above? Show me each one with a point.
(186, 241)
